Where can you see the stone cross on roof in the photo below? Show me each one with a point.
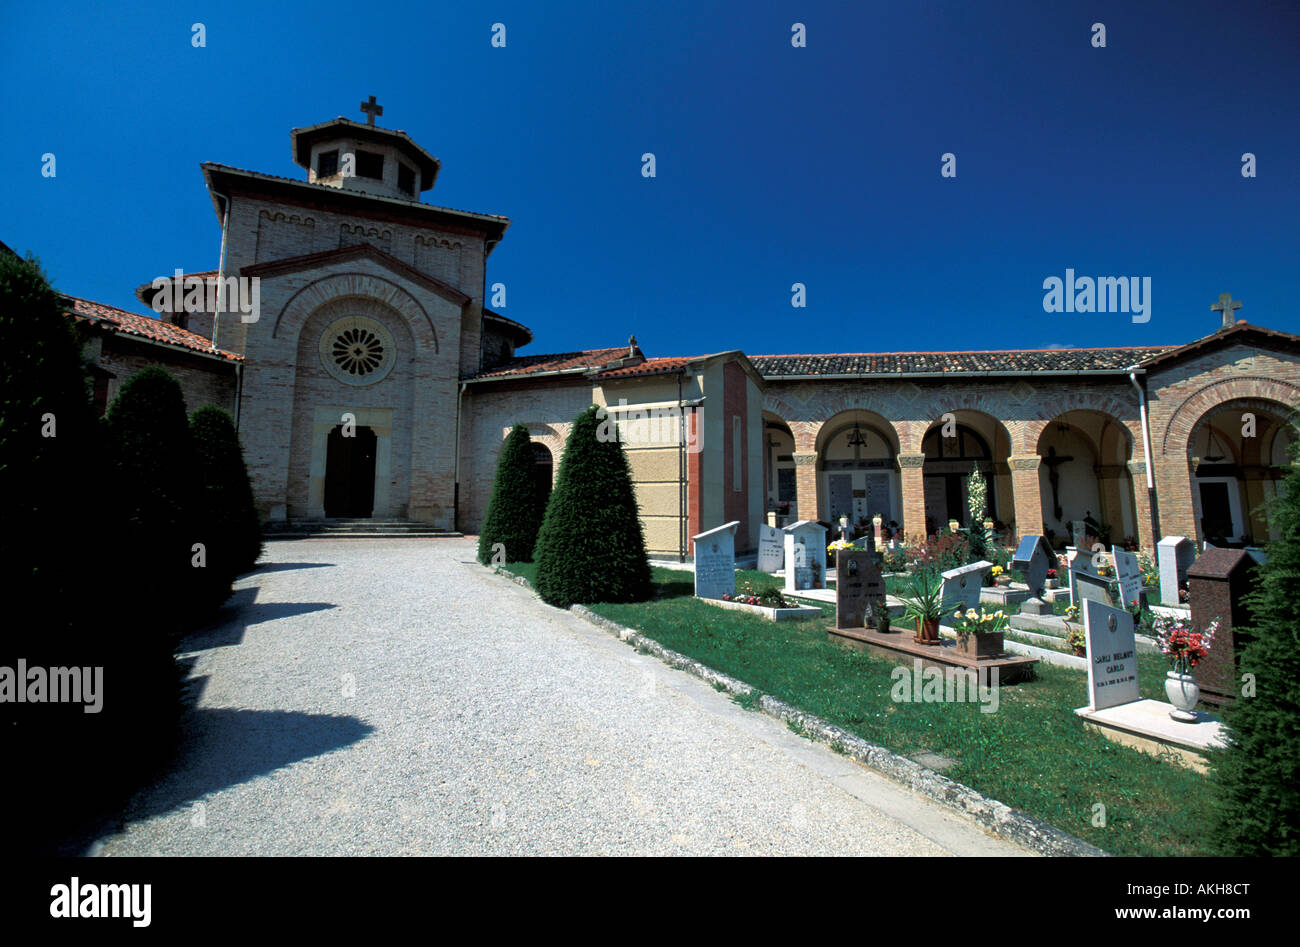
(371, 108)
(1226, 305)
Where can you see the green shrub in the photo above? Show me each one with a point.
(85, 594)
(1258, 777)
(514, 514)
(233, 530)
(155, 488)
(591, 548)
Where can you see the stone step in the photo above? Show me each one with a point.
(355, 529)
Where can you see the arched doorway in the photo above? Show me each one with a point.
(858, 469)
(1236, 452)
(543, 470)
(350, 472)
(952, 450)
(1083, 475)
(780, 486)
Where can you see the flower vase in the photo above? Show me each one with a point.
(1183, 692)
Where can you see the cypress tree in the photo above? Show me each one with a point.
(225, 494)
(514, 514)
(591, 547)
(1258, 776)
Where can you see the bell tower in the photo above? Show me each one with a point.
(363, 157)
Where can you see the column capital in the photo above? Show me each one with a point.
(911, 460)
(1137, 466)
(1024, 461)
(804, 458)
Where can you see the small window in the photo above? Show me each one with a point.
(405, 179)
(370, 164)
(327, 164)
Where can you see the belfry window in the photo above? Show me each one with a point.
(327, 164)
(405, 179)
(370, 164)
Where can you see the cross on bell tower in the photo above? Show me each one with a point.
(372, 109)
(1226, 305)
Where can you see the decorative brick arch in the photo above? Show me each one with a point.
(342, 285)
(1258, 391)
(1117, 410)
(935, 409)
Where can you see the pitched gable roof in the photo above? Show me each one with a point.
(997, 362)
(148, 328)
(1240, 332)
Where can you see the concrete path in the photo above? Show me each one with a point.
(383, 697)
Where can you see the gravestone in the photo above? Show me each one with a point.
(1079, 533)
(805, 553)
(771, 551)
(1084, 573)
(1217, 582)
(962, 585)
(1129, 575)
(1112, 656)
(715, 561)
(1174, 555)
(858, 586)
(1034, 557)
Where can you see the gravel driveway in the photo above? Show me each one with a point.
(383, 697)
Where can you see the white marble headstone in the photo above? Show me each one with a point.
(805, 553)
(715, 561)
(1174, 554)
(962, 585)
(771, 550)
(1112, 656)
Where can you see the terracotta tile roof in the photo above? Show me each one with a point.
(1009, 361)
(145, 327)
(575, 362)
(651, 366)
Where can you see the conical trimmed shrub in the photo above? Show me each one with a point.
(591, 547)
(515, 511)
(1258, 776)
(226, 494)
(156, 497)
(47, 436)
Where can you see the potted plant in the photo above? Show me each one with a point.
(923, 602)
(979, 633)
(816, 568)
(1052, 581)
(882, 619)
(1001, 577)
(835, 547)
(1185, 649)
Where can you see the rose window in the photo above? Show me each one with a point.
(358, 351)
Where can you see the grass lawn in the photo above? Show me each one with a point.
(1032, 753)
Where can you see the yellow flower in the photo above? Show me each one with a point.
(971, 614)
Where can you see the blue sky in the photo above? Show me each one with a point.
(775, 165)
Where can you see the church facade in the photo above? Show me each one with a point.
(370, 379)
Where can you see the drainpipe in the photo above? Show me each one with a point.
(221, 266)
(681, 474)
(1146, 453)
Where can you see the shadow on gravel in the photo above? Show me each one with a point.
(288, 566)
(239, 612)
(223, 747)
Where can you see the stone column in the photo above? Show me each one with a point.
(1142, 506)
(805, 480)
(1026, 493)
(912, 485)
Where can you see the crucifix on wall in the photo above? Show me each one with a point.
(1054, 478)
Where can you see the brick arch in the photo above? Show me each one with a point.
(1267, 394)
(342, 285)
(1118, 410)
(935, 409)
(880, 421)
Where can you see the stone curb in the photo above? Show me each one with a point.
(996, 817)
